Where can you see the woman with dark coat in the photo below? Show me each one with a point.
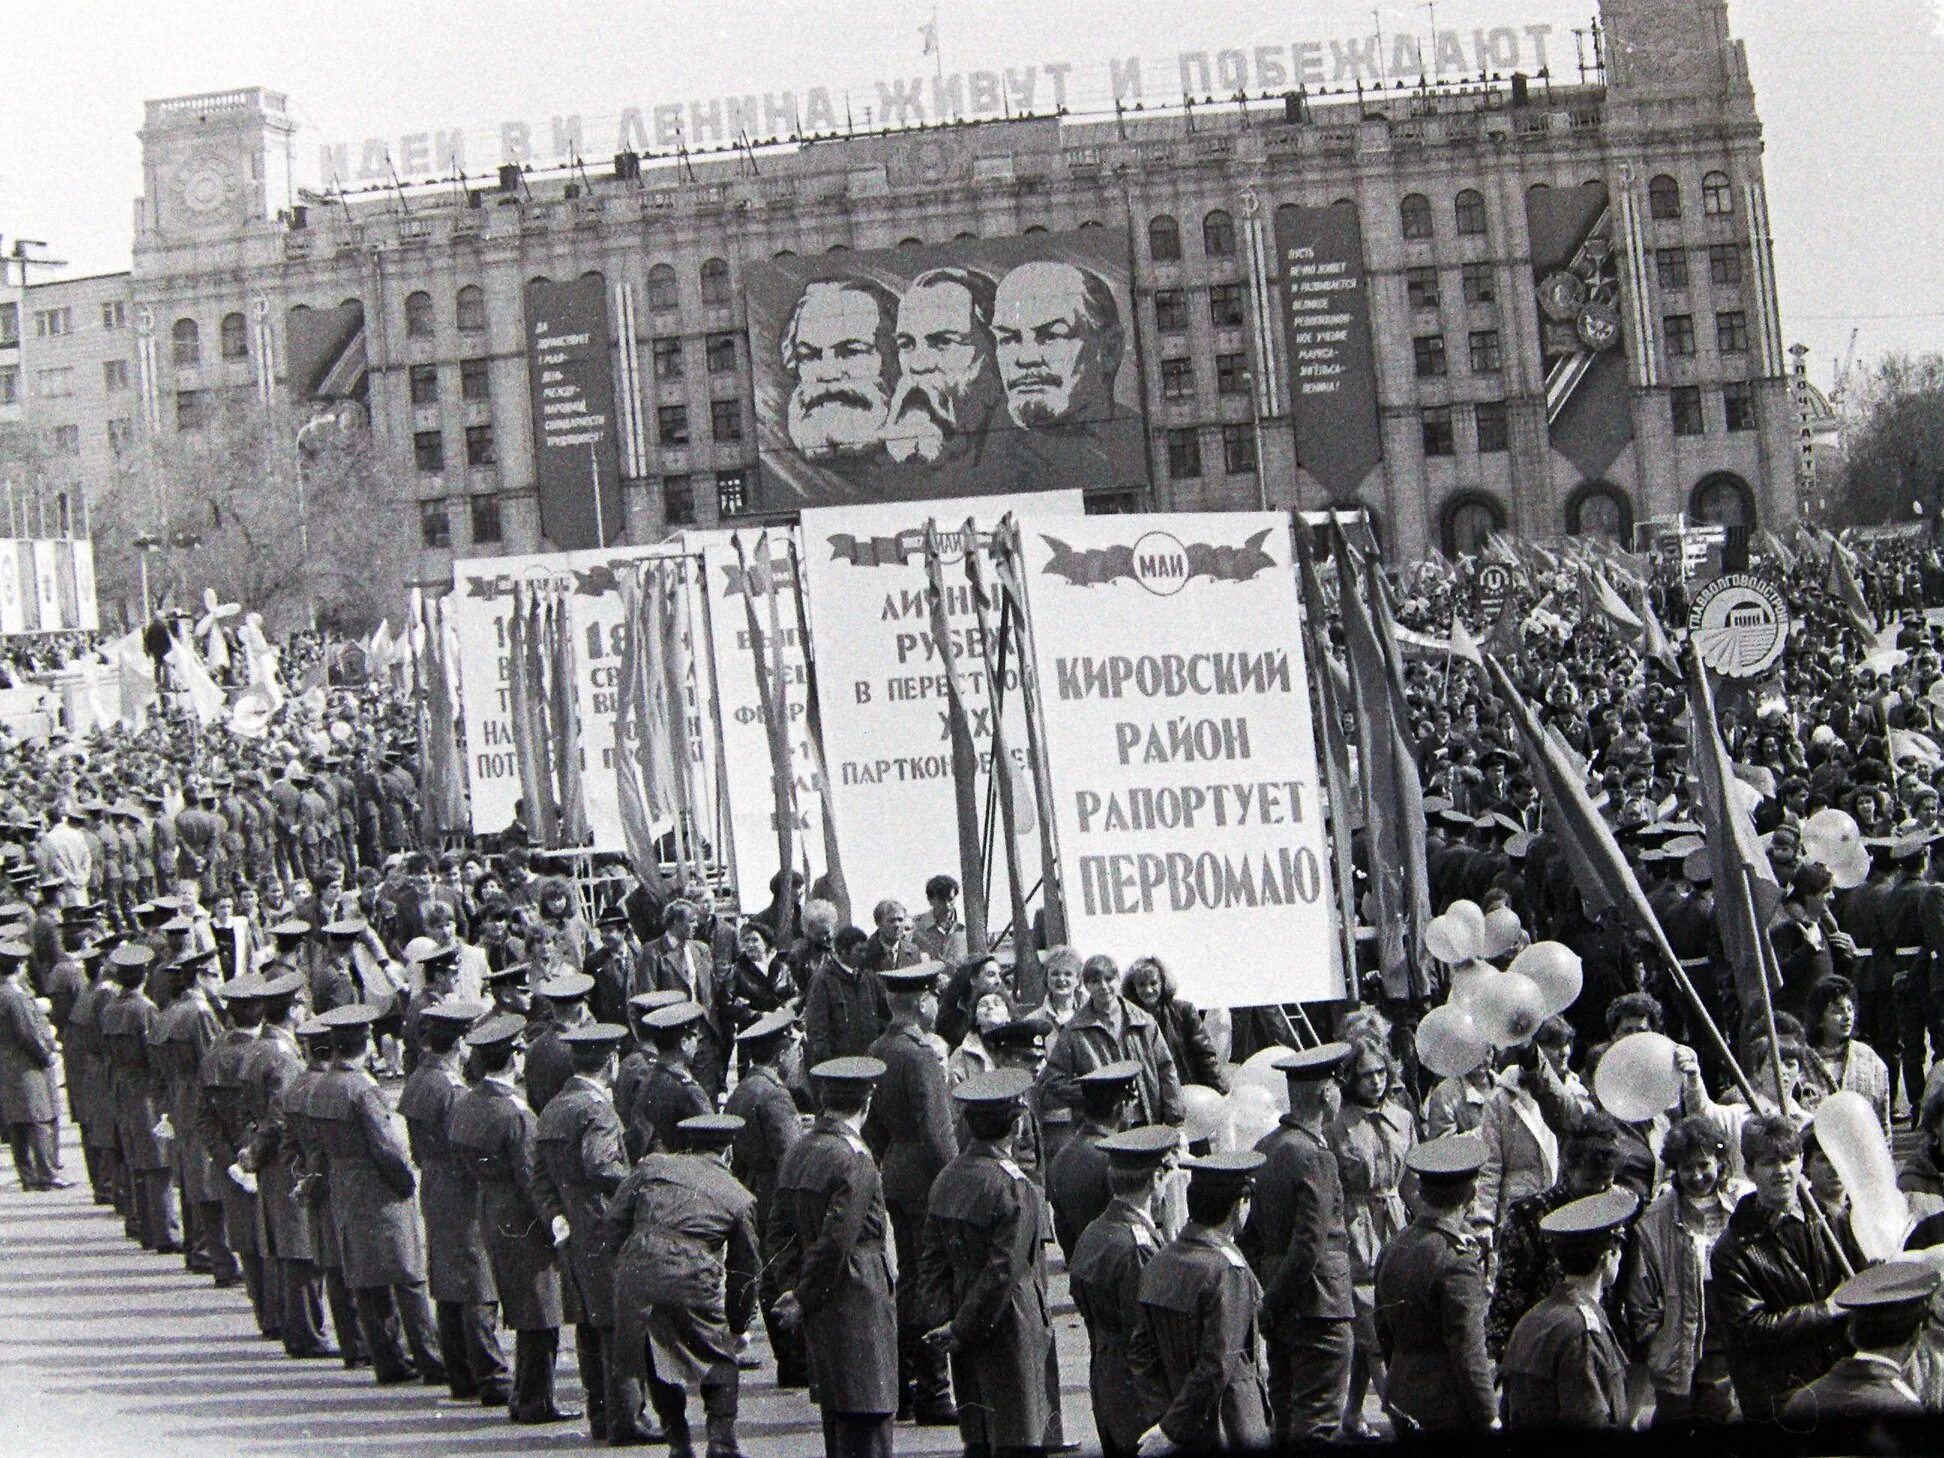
(1151, 987)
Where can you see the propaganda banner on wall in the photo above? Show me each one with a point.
(1332, 368)
(1576, 276)
(746, 779)
(882, 686)
(88, 609)
(47, 587)
(1182, 751)
(977, 367)
(13, 595)
(570, 369)
(477, 611)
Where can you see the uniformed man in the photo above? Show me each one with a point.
(983, 1278)
(341, 982)
(1888, 1307)
(1298, 1242)
(220, 1124)
(685, 1272)
(1196, 1350)
(85, 1065)
(186, 1032)
(1078, 1186)
(1021, 1046)
(549, 1063)
(27, 1049)
(458, 1275)
(771, 1128)
(1563, 1366)
(1104, 1271)
(639, 1065)
(372, 1189)
(491, 1125)
(582, 1164)
(126, 1021)
(1430, 1300)
(828, 1274)
(910, 1132)
(315, 1039)
(670, 1093)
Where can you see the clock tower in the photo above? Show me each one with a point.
(214, 164)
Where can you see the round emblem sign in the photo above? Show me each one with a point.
(1161, 564)
(1740, 624)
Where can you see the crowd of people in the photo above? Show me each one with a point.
(624, 1109)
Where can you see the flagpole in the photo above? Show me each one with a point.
(600, 526)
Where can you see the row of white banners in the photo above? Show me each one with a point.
(1179, 742)
(47, 586)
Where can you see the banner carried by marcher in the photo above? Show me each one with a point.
(886, 733)
(1182, 751)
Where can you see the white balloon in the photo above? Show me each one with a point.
(1504, 932)
(1206, 1114)
(1509, 1009)
(1637, 1078)
(1848, 1131)
(1556, 968)
(1252, 1114)
(1449, 1043)
(1265, 1078)
(1471, 914)
(1451, 939)
(1468, 979)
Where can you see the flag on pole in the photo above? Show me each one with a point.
(630, 736)
(1843, 586)
(1599, 600)
(1654, 641)
(1330, 699)
(206, 700)
(837, 889)
(767, 658)
(965, 756)
(564, 721)
(1005, 772)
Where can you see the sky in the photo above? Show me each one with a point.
(1848, 91)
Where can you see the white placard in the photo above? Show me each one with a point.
(13, 608)
(882, 690)
(1181, 750)
(47, 587)
(84, 586)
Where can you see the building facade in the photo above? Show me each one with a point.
(410, 302)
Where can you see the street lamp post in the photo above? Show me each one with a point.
(303, 514)
(146, 544)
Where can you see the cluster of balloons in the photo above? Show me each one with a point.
(1257, 1099)
(1485, 1008)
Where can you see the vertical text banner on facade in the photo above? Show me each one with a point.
(1182, 752)
(1332, 369)
(882, 687)
(571, 371)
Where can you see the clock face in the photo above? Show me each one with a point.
(205, 184)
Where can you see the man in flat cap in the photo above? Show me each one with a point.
(828, 1273)
(1563, 1366)
(1193, 1350)
(771, 1128)
(983, 1277)
(27, 1049)
(458, 1273)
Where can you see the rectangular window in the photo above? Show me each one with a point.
(9, 325)
(1738, 405)
(668, 359)
(425, 384)
(121, 435)
(1184, 454)
(114, 314)
(1428, 355)
(1494, 434)
(475, 380)
(678, 501)
(114, 375)
(67, 440)
(54, 384)
(719, 354)
(480, 450)
(1724, 263)
(1679, 329)
(1231, 374)
(428, 451)
(485, 520)
(9, 384)
(1481, 285)
(52, 323)
(1170, 311)
(732, 492)
(435, 525)
(1225, 306)
(1671, 266)
(1177, 379)
(1487, 355)
(725, 419)
(1731, 331)
(1685, 403)
(1421, 287)
(671, 422)
(1438, 437)
(1238, 450)
(189, 410)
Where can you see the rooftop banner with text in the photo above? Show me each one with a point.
(576, 457)
(1182, 751)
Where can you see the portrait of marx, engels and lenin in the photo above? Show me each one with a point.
(960, 377)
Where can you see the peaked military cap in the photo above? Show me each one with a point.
(1146, 1147)
(997, 1089)
(1313, 1065)
(501, 1028)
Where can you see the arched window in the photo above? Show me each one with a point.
(1717, 196)
(1467, 520)
(1036, 228)
(911, 242)
(784, 253)
(185, 342)
(1469, 209)
(1218, 234)
(838, 248)
(1722, 499)
(1087, 223)
(959, 237)
(236, 337)
(661, 289)
(1415, 214)
(1664, 199)
(1164, 239)
(471, 313)
(1602, 511)
(418, 315)
(715, 283)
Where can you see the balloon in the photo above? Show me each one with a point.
(1207, 1115)
(1503, 932)
(1452, 939)
(1832, 839)
(1555, 967)
(1471, 914)
(1449, 1043)
(1636, 1078)
(1261, 1074)
(1509, 1009)
(1251, 1114)
(340, 731)
(1468, 979)
(1847, 1130)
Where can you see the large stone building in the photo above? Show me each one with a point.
(411, 301)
